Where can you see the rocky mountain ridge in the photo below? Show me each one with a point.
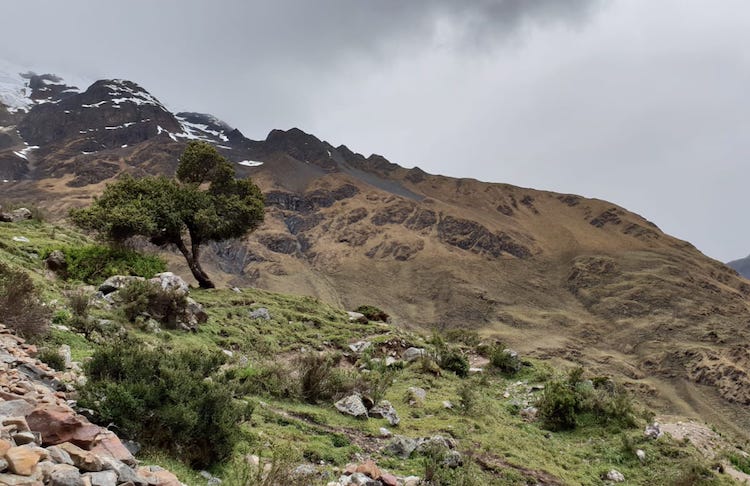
(556, 275)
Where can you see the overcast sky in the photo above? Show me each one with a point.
(645, 103)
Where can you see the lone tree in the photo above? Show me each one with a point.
(204, 203)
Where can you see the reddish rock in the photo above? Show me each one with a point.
(59, 424)
(110, 445)
(162, 477)
(369, 468)
(389, 479)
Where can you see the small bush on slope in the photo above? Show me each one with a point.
(21, 307)
(93, 264)
(566, 402)
(164, 399)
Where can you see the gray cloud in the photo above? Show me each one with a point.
(639, 102)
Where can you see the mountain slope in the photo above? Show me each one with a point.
(556, 275)
(742, 266)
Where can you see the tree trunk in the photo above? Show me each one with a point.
(192, 258)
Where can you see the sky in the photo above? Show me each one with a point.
(645, 103)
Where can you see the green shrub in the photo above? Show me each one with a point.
(270, 379)
(453, 360)
(142, 297)
(61, 317)
(316, 374)
(565, 403)
(742, 463)
(373, 313)
(163, 399)
(53, 358)
(467, 398)
(21, 307)
(558, 406)
(467, 337)
(93, 264)
(504, 361)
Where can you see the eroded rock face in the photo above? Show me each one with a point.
(472, 236)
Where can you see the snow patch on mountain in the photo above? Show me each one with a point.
(250, 163)
(15, 92)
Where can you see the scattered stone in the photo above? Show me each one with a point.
(412, 354)
(83, 460)
(370, 469)
(65, 475)
(401, 446)
(116, 282)
(360, 346)
(260, 313)
(355, 316)
(385, 410)
(59, 456)
(66, 354)
(56, 261)
(23, 459)
(416, 395)
(20, 214)
(453, 459)
(20, 239)
(169, 282)
(653, 431)
(352, 405)
(641, 455)
(304, 470)
(615, 476)
(389, 479)
(15, 408)
(447, 404)
(102, 478)
(385, 433)
(529, 414)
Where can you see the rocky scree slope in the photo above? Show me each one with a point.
(555, 275)
(44, 441)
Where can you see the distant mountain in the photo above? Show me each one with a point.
(742, 266)
(555, 275)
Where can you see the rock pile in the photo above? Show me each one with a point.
(43, 441)
(189, 314)
(14, 216)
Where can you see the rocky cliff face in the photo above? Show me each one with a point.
(553, 274)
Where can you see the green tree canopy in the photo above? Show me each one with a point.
(204, 203)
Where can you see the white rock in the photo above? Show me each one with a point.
(615, 476)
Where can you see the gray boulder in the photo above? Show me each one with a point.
(56, 261)
(260, 313)
(412, 354)
(116, 282)
(16, 215)
(615, 476)
(401, 446)
(416, 395)
(352, 405)
(453, 459)
(653, 431)
(169, 282)
(360, 346)
(385, 410)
